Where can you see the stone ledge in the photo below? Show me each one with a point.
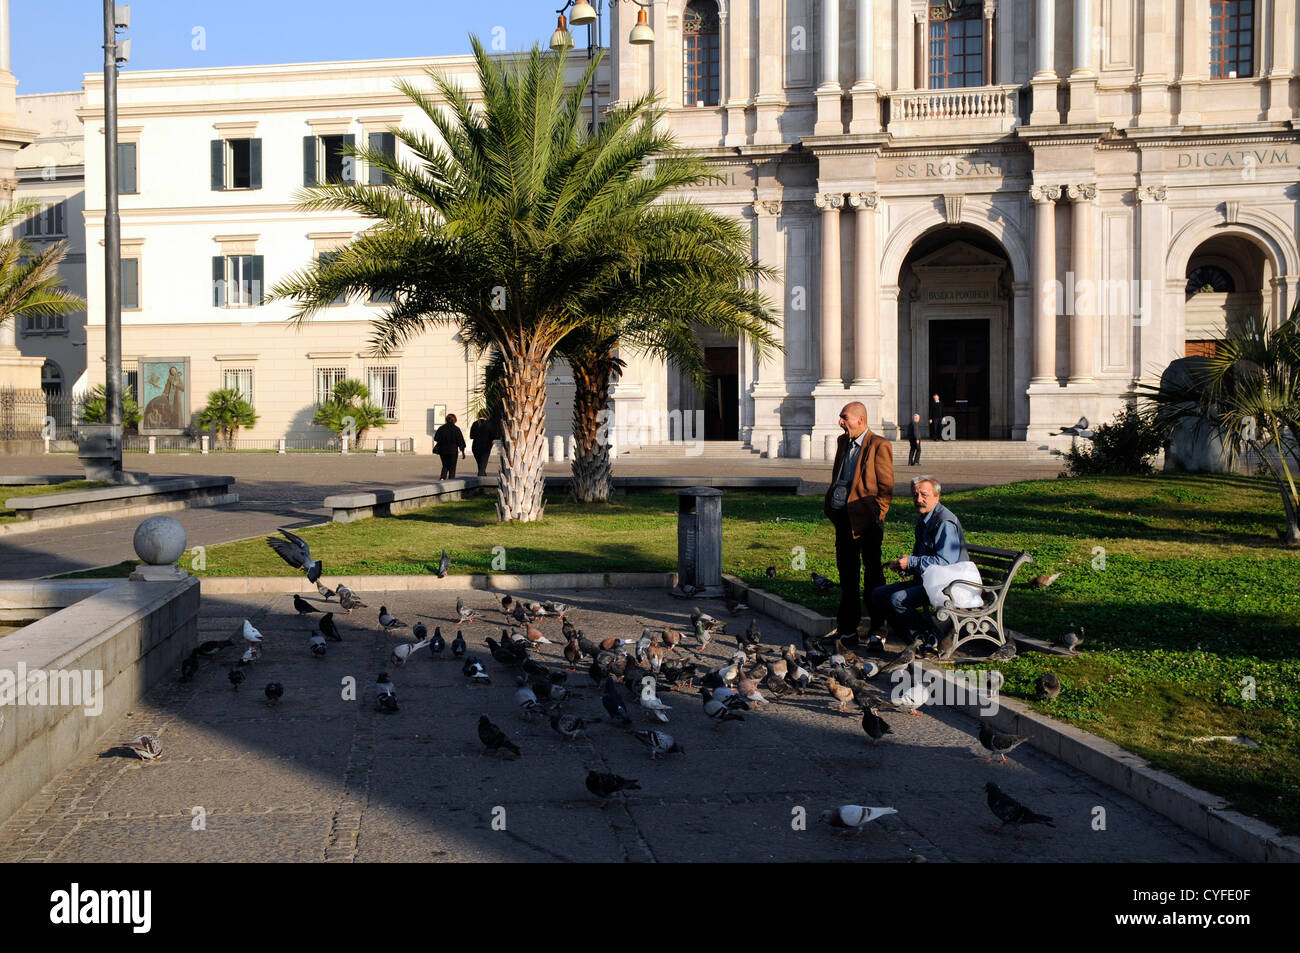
(36, 505)
(116, 502)
(537, 582)
(1205, 815)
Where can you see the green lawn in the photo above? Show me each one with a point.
(40, 489)
(1190, 602)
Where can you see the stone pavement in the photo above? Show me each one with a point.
(289, 490)
(321, 778)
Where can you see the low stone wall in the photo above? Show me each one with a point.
(37, 598)
(114, 502)
(103, 653)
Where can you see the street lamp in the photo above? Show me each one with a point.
(115, 52)
(586, 13)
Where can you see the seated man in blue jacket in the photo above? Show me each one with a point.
(940, 541)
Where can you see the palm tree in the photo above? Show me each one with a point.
(349, 403)
(226, 412)
(515, 229)
(1248, 396)
(29, 281)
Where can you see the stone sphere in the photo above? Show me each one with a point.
(159, 540)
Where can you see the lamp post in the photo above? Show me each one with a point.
(115, 18)
(591, 14)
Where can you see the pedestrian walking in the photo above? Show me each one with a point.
(914, 441)
(447, 442)
(481, 435)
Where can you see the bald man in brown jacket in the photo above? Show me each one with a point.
(862, 487)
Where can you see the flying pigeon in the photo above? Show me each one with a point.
(325, 591)
(148, 747)
(604, 784)
(274, 692)
(317, 645)
(660, 743)
(389, 622)
(294, 550)
(493, 738)
(1010, 811)
(458, 645)
(349, 600)
(998, 743)
(303, 606)
(444, 564)
(249, 633)
(329, 629)
(1048, 686)
(854, 816)
(213, 646)
(465, 613)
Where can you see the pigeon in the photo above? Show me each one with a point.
(294, 550)
(1004, 652)
(748, 690)
(385, 694)
(444, 564)
(1048, 686)
(493, 738)
(465, 614)
(317, 645)
(776, 685)
(212, 647)
(854, 816)
(420, 631)
(604, 784)
(249, 633)
(841, 693)
(274, 692)
(536, 609)
(189, 666)
(822, 583)
(502, 654)
(303, 606)
(911, 698)
(660, 743)
(650, 704)
(506, 602)
(251, 654)
(1076, 430)
(875, 726)
(148, 747)
(735, 606)
(402, 653)
(752, 635)
(613, 702)
(329, 629)
(568, 727)
(325, 591)
(236, 676)
(902, 659)
(717, 710)
(655, 655)
(388, 621)
(458, 645)
(519, 613)
(474, 671)
(526, 698)
(437, 644)
(770, 572)
(1010, 811)
(534, 635)
(998, 743)
(712, 625)
(1071, 641)
(556, 608)
(1042, 582)
(349, 600)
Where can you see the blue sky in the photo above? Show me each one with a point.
(55, 42)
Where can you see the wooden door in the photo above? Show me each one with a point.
(959, 374)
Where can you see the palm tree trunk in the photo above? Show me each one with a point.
(592, 467)
(521, 489)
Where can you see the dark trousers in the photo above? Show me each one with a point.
(857, 559)
(914, 454)
(481, 457)
(899, 604)
(448, 466)
(934, 429)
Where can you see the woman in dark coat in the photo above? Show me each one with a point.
(936, 417)
(481, 435)
(447, 442)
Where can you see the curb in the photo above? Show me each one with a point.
(218, 585)
(1206, 815)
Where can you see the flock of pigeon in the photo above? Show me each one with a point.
(631, 675)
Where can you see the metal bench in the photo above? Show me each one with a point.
(997, 568)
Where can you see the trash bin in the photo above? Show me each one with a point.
(699, 543)
(99, 447)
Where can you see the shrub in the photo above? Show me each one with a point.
(1126, 445)
(350, 398)
(94, 407)
(226, 412)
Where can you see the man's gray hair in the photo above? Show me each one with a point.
(923, 478)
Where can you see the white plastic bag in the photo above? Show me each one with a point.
(937, 578)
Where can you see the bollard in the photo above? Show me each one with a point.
(805, 446)
(573, 446)
(699, 543)
(280, 446)
(557, 448)
(773, 446)
(153, 444)
(203, 444)
(830, 446)
(345, 444)
(47, 444)
(379, 446)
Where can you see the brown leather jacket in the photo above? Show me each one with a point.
(872, 489)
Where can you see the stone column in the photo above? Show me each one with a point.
(1043, 83)
(1087, 301)
(769, 390)
(990, 7)
(829, 95)
(734, 37)
(1045, 197)
(1153, 77)
(1083, 78)
(866, 296)
(866, 104)
(1156, 336)
(829, 326)
(920, 61)
(1195, 41)
(1280, 49)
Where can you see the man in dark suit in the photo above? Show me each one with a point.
(862, 486)
(914, 441)
(936, 416)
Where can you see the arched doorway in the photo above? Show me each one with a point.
(954, 331)
(1226, 278)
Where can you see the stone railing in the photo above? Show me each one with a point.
(975, 109)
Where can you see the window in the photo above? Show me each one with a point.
(323, 159)
(326, 380)
(386, 143)
(51, 379)
(130, 382)
(49, 222)
(44, 324)
(324, 258)
(701, 63)
(240, 379)
(1232, 38)
(130, 284)
(957, 48)
(236, 164)
(1202, 348)
(382, 382)
(381, 297)
(1209, 278)
(236, 281)
(126, 168)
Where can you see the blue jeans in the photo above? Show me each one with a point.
(898, 603)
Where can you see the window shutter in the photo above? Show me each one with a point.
(349, 161)
(218, 281)
(130, 283)
(126, 168)
(308, 160)
(218, 165)
(255, 163)
(386, 143)
(256, 272)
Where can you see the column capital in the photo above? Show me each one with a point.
(829, 201)
(1082, 192)
(1043, 194)
(990, 9)
(1152, 193)
(864, 201)
(767, 207)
